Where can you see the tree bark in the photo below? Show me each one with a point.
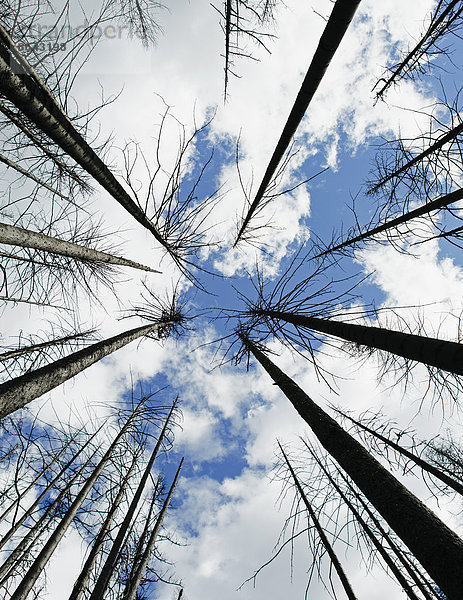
(21, 390)
(435, 546)
(321, 533)
(342, 14)
(50, 546)
(108, 568)
(442, 354)
(32, 98)
(130, 592)
(17, 236)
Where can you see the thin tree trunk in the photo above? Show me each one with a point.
(107, 570)
(25, 546)
(27, 489)
(138, 554)
(50, 546)
(442, 354)
(398, 70)
(4, 356)
(17, 236)
(450, 135)
(21, 390)
(44, 492)
(130, 593)
(435, 546)
(424, 465)
(33, 302)
(370, 534)
(30, 134)
(31, 97)
(340, 18)
(321, 533)
(82, 580)
(29, 175)
(427, 208)
(421, 582)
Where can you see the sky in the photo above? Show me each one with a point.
(229, 510)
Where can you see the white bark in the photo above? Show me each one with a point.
(17, 236)
(18, 392)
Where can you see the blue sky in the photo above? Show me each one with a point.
(227, 504)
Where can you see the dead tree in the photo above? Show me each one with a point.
(131, 590)
(446, 19)
(50, 546)
(18, 392)
(411, 457)
(420, 530)
(102, 582)
(340, 18)
(320, 531)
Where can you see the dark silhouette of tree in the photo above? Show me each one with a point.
(420, 530)
(446, 19)
(340, 18)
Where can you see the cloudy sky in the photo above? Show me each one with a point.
(229, 512)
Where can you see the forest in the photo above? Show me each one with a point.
(231, 351)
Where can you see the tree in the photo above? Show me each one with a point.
(446, 19)
(421, 531)
(18, 392)
(340, 18)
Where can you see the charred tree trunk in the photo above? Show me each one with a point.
(442, 354)
(340, 18)
(422, 532)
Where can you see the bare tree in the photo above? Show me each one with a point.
(446, 19)
(20, 391)
(413, 522)
(340, 18)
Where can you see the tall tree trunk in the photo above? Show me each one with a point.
(450, 135)
(21, 390)
(63, 168)
(370, 533)
(130, 592)
(4, 356)
(17, 236)
(321, 533)
(422, 532)
(108, 568)
(423, 464)
(442, 354)
(31, 97)
(340, 18)
(82, 581)
(427, 208)
(415, 51)
(12, 165)
(50, 546)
